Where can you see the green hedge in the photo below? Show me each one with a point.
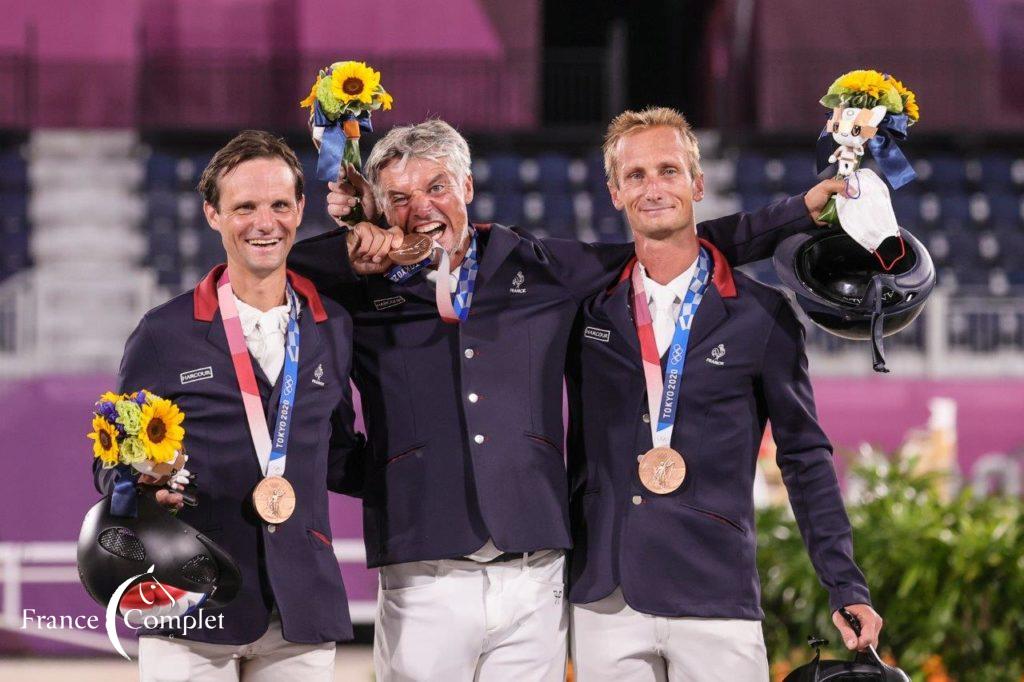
(946, 576)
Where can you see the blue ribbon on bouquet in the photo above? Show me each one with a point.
(332, 144)
(884, 146)
(122, 498)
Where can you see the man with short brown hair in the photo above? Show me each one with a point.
(255, 343)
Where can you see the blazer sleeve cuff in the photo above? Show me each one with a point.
(854, 594)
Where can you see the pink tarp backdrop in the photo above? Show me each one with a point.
(105, 42)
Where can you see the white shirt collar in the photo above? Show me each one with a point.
(677, 287)
(275, 319)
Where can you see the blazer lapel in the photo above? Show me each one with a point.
(711, 313)
(494, 243)
(619, 307)
(216, 335)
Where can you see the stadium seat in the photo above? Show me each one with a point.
(13, 204)
(553, 173)
(161, 172)
(13, 172)
(750, 175)
(508, 208)
(162, 203)
(1005, 208)
(503, 176)
(995, 173)
(559, 215)
(948, 173)
(800, 174)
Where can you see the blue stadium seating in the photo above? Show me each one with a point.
(948, 173)
(504, 173)
(946, 209)
(750, 173)
(800, 173)
(996, 173)
(559, 216)
(553, 176)
(13, 172)
(161, 172)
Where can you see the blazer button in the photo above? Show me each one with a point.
(478, 438)
(473, 397)
(637, 499)
(469, 353)
(271, 528)
(646, 418)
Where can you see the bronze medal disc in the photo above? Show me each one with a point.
(662, 470)
(274, 499)
(414, 248)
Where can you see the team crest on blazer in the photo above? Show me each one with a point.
(717, 353)
(517, 284)
(318, 375)
(389, 302)
(603, 335)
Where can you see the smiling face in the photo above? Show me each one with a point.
(653, 184)
(257, 215)
(423, 196)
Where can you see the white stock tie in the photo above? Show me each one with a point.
(664, 304)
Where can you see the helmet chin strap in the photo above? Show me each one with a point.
(877, 324)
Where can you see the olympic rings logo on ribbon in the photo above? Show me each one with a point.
(677, 353)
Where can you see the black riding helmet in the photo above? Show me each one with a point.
(112, 549)
(853, 293)
(866, 666)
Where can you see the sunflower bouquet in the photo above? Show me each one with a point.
(139, 432)
(140, 429)
(869, 109)
(340, 103)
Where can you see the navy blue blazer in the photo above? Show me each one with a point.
(691, 552)
(465, 421)
(179, 351)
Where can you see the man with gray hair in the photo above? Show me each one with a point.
(460, 368)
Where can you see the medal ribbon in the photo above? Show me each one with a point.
(272, 454)
(663, 392)
(453, 308)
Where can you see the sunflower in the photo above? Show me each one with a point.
(354, 81)
(104, 437)
(110, 397)
(908, 97)
(863, 88)
(308, 102)
(863, 80)
(385, 99)
(161, 430)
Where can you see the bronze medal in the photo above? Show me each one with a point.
(414, 248)
(662, 470)
(274, 499)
